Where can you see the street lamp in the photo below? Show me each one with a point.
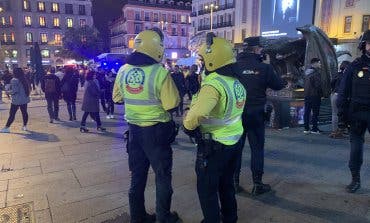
(162, 24)
(211, 7)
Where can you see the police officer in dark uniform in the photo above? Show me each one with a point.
(259, 76)
(355, 90)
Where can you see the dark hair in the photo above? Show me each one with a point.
(315, 60)
(19, 74)
(344, 64)
(90, 75)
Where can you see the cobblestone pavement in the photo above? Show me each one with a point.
(74, 177)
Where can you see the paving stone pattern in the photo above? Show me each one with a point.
(74, 177)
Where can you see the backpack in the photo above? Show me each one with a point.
(50, 86)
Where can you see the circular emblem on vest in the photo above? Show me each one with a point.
(135, 80)
(239, 94)
(360, 74)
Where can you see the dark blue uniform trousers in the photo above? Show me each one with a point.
(215, 181)
(150, 146)
(254, 125)
(360, 122)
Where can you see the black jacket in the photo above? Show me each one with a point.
(55, 94)
(312, 83)
(335, 81)
(140, 59)
(258, 77)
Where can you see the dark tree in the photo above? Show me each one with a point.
(81, 43)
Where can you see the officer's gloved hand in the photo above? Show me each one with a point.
(192, 133)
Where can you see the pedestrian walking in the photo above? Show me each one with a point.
(148, 92)
(336, 133)
(102, 83)
(7, 77)
(354, 90)
(110, 78)
(19, 90)
(215, 121)
(69, 90)
(192, 81)
(50, 85)
(179, 79)
(312, 96)
(258, 76)
(90, 103)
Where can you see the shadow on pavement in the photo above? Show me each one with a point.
(119, 219)
(39, 136)
(328, 214)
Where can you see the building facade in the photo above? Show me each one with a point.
(231, 19)
(24, 22)
(344, 21)
(138, 15)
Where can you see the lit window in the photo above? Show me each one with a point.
(12, 37)
(5, 37)
(28, 52)
(45, 53)
(29, 38)
(14, 53)
(26, 5)
(10, 20)
(69, 23)
(27, 21)
(55, 7)
(3, 22)
(41, 6)
(56, 22)
(58, 39)
(42, 21)
(183, 19)
(82, 22)
(44, 38)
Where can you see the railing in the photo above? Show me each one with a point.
(219, 8)
(204, 27)
(159, 5)
(117, 33)
(7, 43)
(117, 45)
(193, 14)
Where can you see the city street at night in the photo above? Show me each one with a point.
(73, 177)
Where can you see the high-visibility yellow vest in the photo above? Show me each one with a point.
(141, 87)
(225, 122)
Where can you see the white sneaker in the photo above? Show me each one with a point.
(5, 130)
(112, 116)
(24, 128)
(108, 117)
(306, 131)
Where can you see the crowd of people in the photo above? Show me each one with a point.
(56, 85)
(228, 105)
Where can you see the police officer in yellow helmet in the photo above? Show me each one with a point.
(214, 120)
(148, 92)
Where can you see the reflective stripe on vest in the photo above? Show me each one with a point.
(152, 100)
(227, 120)
(231, 138)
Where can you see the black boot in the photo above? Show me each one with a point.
(150, 218)
(260, 188)
(355, 184)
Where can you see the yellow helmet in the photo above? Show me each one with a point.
(150, 42)
(216, 52)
